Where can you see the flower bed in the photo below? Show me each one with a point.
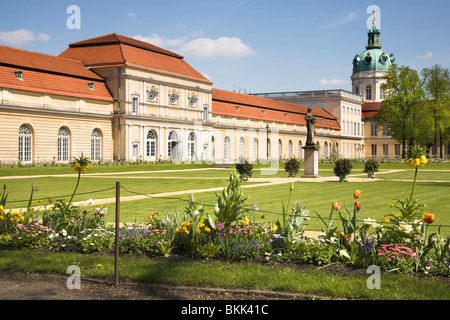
(233, 231)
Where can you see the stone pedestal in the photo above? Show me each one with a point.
(311, 161)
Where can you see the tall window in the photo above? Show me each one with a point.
(25, 143)
(172, 141)
(385, 149)
(151, 145)
(382, 93)
(191, 145)
(397, 149)
(134, 104)
(96, 145)
(373, 129)
(241, 149)
(255, 149)
(205, 113)
(226, 149)
(325, 149)
(374, 149)
(369, 92)
(63, 144)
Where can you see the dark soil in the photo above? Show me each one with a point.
(52, 286)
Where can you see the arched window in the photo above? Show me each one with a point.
(96, 145)
(151, 145)
(226, 149)
(290, 149)
(255, 149)
(382, 93)
(191, 145)
(172, 142)
(25, 143)
(369, 92)
(241, 149)
(63, 144)
(325, 149)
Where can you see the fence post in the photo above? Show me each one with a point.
(116, 267)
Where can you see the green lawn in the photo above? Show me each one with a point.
(317, 196)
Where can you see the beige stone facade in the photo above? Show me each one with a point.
(44, 115)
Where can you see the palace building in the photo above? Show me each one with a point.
(116, 98)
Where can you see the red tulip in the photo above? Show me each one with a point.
(356, 194)
(428, 218)
(358, 205)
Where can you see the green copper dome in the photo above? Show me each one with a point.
(373, 58)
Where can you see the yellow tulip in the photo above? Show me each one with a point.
(416, 162)
(423, 160)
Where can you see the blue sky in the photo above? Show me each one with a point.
(257, 45)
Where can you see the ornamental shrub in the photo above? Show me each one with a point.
(292, 166)
(371, 165)
(342, 167)
(245, 170)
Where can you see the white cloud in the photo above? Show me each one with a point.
(224, 46)
(201, 47)
(326, 82)
(351, 16)
(43, 37)
(429, 54)
(131, 15)
(21, 36)
(207, 77)
(165, 43)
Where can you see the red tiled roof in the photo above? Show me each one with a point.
(114, 38)
(39, 61)
(59, 84)
(225, 103)
(369, 109)
(49, 74)
(117, 50)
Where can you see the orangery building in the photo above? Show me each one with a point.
(117, 98)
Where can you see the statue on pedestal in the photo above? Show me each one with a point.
(310, 127)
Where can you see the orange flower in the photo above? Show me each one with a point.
(428, 218)
(358, 205)
(356, 194)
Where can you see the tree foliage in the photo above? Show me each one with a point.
(417, 107)
(402, 112)
(436, 84)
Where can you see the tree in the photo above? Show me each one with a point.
(436, 83)
(402, 113)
